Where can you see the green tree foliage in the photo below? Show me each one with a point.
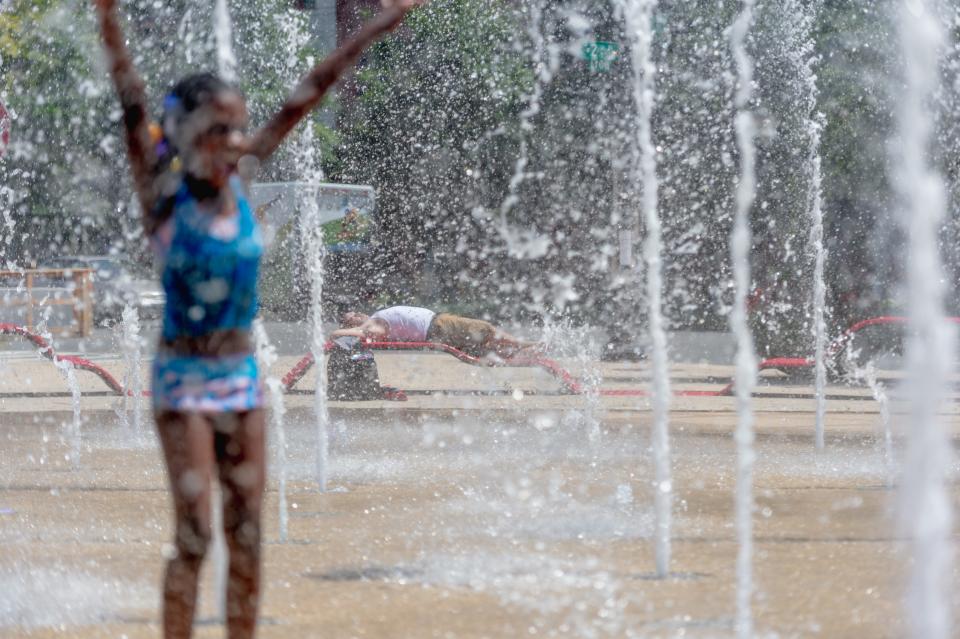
(440, 142)
(577, 191)
(858, 78)
(698, 164)
(788, 119)
(65, 134)
(67, 167)
(430, 124)
(947, 149)
(439, 115)
(436, 126)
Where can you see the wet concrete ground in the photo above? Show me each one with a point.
(471, 516)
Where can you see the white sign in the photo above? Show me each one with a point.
(348, 207)
(277, 202)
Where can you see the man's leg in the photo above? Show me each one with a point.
(478, 337)
(506, 345)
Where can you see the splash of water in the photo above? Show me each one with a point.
(8, 226)
(266, 358)
(926, 510)
(73, 434)
(879, 392)
(314, 250)
(528, 243)
(193, 33)
(227, 69)
(819, 289)
(804, 59)
(561, 337)
(56, 597)
(219, 554)
(639, 15)
(868, 375)
(223, 31)
(132, 370)
(74, 429)
(311, 240)
(746, 365)
(592, 378)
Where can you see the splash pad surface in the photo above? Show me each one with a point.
(470, 515)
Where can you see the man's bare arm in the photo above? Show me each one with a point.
(315, 85)
(372, 329)
(133, 101)
(348, 332)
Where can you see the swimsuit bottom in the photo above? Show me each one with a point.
(196, 384)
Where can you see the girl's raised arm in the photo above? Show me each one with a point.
(315, 85)
(133, 101)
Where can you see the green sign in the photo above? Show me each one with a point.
(600, 55)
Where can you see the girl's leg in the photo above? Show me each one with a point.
(240, 457)
(187, 441)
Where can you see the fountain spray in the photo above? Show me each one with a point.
(525, 244)
(879, 392)
(804, 59)
(314, 249)
(74, 431)
(311, 243)
(227, 68)
(7, 226)
(74, 434)
(926, 511)
(132, 373)
(267, 357)
(223, 31)
(219, 553)
(819, 285)
(746, 365)
(638, 15)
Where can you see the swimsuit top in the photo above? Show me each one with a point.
(210, 266)
(406, 323)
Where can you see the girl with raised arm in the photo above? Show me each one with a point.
(206, 391)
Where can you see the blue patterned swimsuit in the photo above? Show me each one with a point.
(210, 268)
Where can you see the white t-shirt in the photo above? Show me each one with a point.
(406, 323)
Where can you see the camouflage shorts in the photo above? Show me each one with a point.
(472, 336)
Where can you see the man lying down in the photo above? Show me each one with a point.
(415, 324)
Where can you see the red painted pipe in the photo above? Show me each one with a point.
(77, 362)
(569, 382)
(297, 372)
(726, 391)
(781, 363)
(838, 344)
(300, 369)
